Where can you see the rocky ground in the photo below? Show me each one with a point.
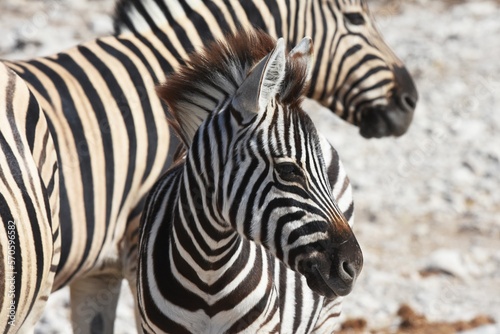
(427, 204)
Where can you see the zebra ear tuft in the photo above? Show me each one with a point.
(262, 84)
(303, 52)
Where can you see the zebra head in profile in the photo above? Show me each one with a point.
(356, 75)
(250, 209)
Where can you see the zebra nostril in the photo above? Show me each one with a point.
(407, 102)
(349, 273)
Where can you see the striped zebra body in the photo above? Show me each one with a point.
(29, 209)
(105, 120)
(244, 236)
(112, 139)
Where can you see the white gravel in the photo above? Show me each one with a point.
(429, 200)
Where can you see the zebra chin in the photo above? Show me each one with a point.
(384, 121)
(333, 272)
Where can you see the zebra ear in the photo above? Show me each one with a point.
(304, 52)
(262, 84)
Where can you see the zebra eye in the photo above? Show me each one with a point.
(290, 172)
(355, 18)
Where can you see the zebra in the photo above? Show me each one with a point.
(247, 222)
(105, 121)
(356, 75)
(29, 188)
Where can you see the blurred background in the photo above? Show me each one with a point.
(427, 203)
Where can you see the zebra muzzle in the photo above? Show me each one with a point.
(334, 271)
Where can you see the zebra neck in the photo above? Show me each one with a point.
(198, 218)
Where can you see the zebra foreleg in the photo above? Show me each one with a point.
(93, 302)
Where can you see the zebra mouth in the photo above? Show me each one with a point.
(379, 121)
(375, 123)
(324, 286)
(343, 290)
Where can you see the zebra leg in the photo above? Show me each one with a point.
(29, 210)
(130, 251)
(94, 299)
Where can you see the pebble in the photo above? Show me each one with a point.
(490, 329)
(474, 263)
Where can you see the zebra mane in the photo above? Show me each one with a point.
(211, 78)
(140, 15)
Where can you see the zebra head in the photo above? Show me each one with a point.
(288, 206)
(261, 159)
(357, 75)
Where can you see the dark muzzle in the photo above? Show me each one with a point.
(395, 118)
(334, 271)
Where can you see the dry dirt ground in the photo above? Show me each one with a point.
(427, 204)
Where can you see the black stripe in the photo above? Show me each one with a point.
(43, 154)
(234, 17)
(250, 282)
(298, 303)
(321, 51)
(219, 16)
(50, 186)
(64, 209)
(280, 225)
(6, 217)
(120, 97)
(168, 286)
(33, 79)
(363, 91)
(310, 323)
(199, 23)
(162, 273)
(16, 171)
(348, 98)
(275, 13)
(99, 109)
(349, 211)
(240, 191)
(253, 14)
(293, 35)
(32, 118)
(179, 31)
(78, 135)
(253, 314)
(15, 167)
(159, 33)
